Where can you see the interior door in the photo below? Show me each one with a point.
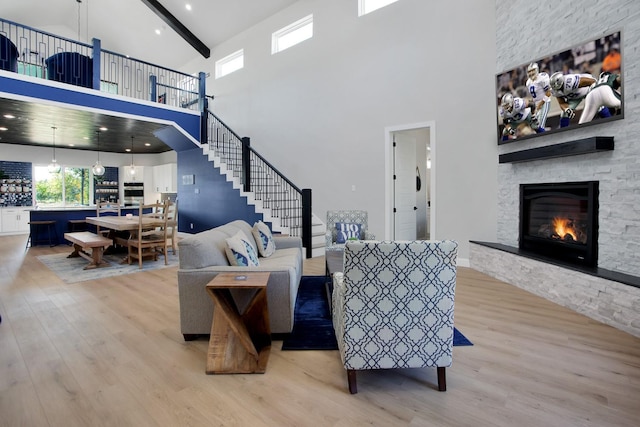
(404, 187)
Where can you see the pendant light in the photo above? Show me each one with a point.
(54, 167)
(132, 168)
(98, 169)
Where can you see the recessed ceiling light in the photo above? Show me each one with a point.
(157, 31)
(3, 128)
(127, 149)
(103, 129)
(9, 116)
(72, 145)
(187, 6)
(146, 144)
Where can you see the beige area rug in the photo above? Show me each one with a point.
(71, 270)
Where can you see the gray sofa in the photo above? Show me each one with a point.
(202, 256)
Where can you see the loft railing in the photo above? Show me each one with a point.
(43, 55)
(287, 202)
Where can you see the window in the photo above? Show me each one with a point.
(69, 187)
(292, 34)
(230, 63)
(368, 6)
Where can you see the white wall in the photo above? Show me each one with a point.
(319, 109)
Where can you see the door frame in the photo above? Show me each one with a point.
(388, 183)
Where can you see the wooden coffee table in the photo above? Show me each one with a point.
(240, 342)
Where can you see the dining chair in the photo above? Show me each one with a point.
(172, 222)
(106, 209)
(150, 237)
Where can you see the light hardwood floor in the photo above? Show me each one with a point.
(109, 353)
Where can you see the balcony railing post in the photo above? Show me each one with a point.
(97, 54)
(306, 221)
(246, 163)
(153, 88)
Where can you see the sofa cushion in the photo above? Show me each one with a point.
(264, 239)
(203, 249)
(240, 251)
(346, 231)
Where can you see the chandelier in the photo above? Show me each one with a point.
(54, 167)
(98, 169)
(132, 168)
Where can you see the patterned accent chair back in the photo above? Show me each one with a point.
(346, 216)
(393, 306)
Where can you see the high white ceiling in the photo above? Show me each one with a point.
(128, 26)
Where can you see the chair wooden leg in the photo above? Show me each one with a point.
(140, 257)
(351, 378)
(442, 378)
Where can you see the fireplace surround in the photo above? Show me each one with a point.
(559, 221)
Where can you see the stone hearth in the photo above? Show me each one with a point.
(606, 296)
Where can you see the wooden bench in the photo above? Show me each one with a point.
(84, 240)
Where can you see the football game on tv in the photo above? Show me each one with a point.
(576, 87)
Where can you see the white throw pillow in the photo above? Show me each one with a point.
(264, 239)
(240, 252)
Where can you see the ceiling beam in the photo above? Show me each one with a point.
(178, 27)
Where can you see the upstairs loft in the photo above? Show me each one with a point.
(39, 67)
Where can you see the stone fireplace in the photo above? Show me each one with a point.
(559, 221)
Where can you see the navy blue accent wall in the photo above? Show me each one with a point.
(216, 202)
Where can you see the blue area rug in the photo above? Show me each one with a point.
(70, 270)
(313, 328)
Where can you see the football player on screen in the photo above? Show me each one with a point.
(602, 96)
(570, 90)
(517, 117)
(540, 91)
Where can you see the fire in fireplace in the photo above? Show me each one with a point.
(560, 221)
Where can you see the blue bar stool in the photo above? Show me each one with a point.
(34, 232)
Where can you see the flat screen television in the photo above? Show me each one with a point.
(579, 86)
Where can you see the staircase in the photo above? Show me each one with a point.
(280, 202)
(318, 243)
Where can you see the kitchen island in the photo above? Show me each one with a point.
(63, 215)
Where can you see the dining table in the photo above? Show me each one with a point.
(121, 223)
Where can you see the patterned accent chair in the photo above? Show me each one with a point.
(349, 216)
(393, 306)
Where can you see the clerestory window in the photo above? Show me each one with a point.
(292, 34)
(368, 6)
(230, 63)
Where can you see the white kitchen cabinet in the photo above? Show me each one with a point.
(14, 220)
(165, 178)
